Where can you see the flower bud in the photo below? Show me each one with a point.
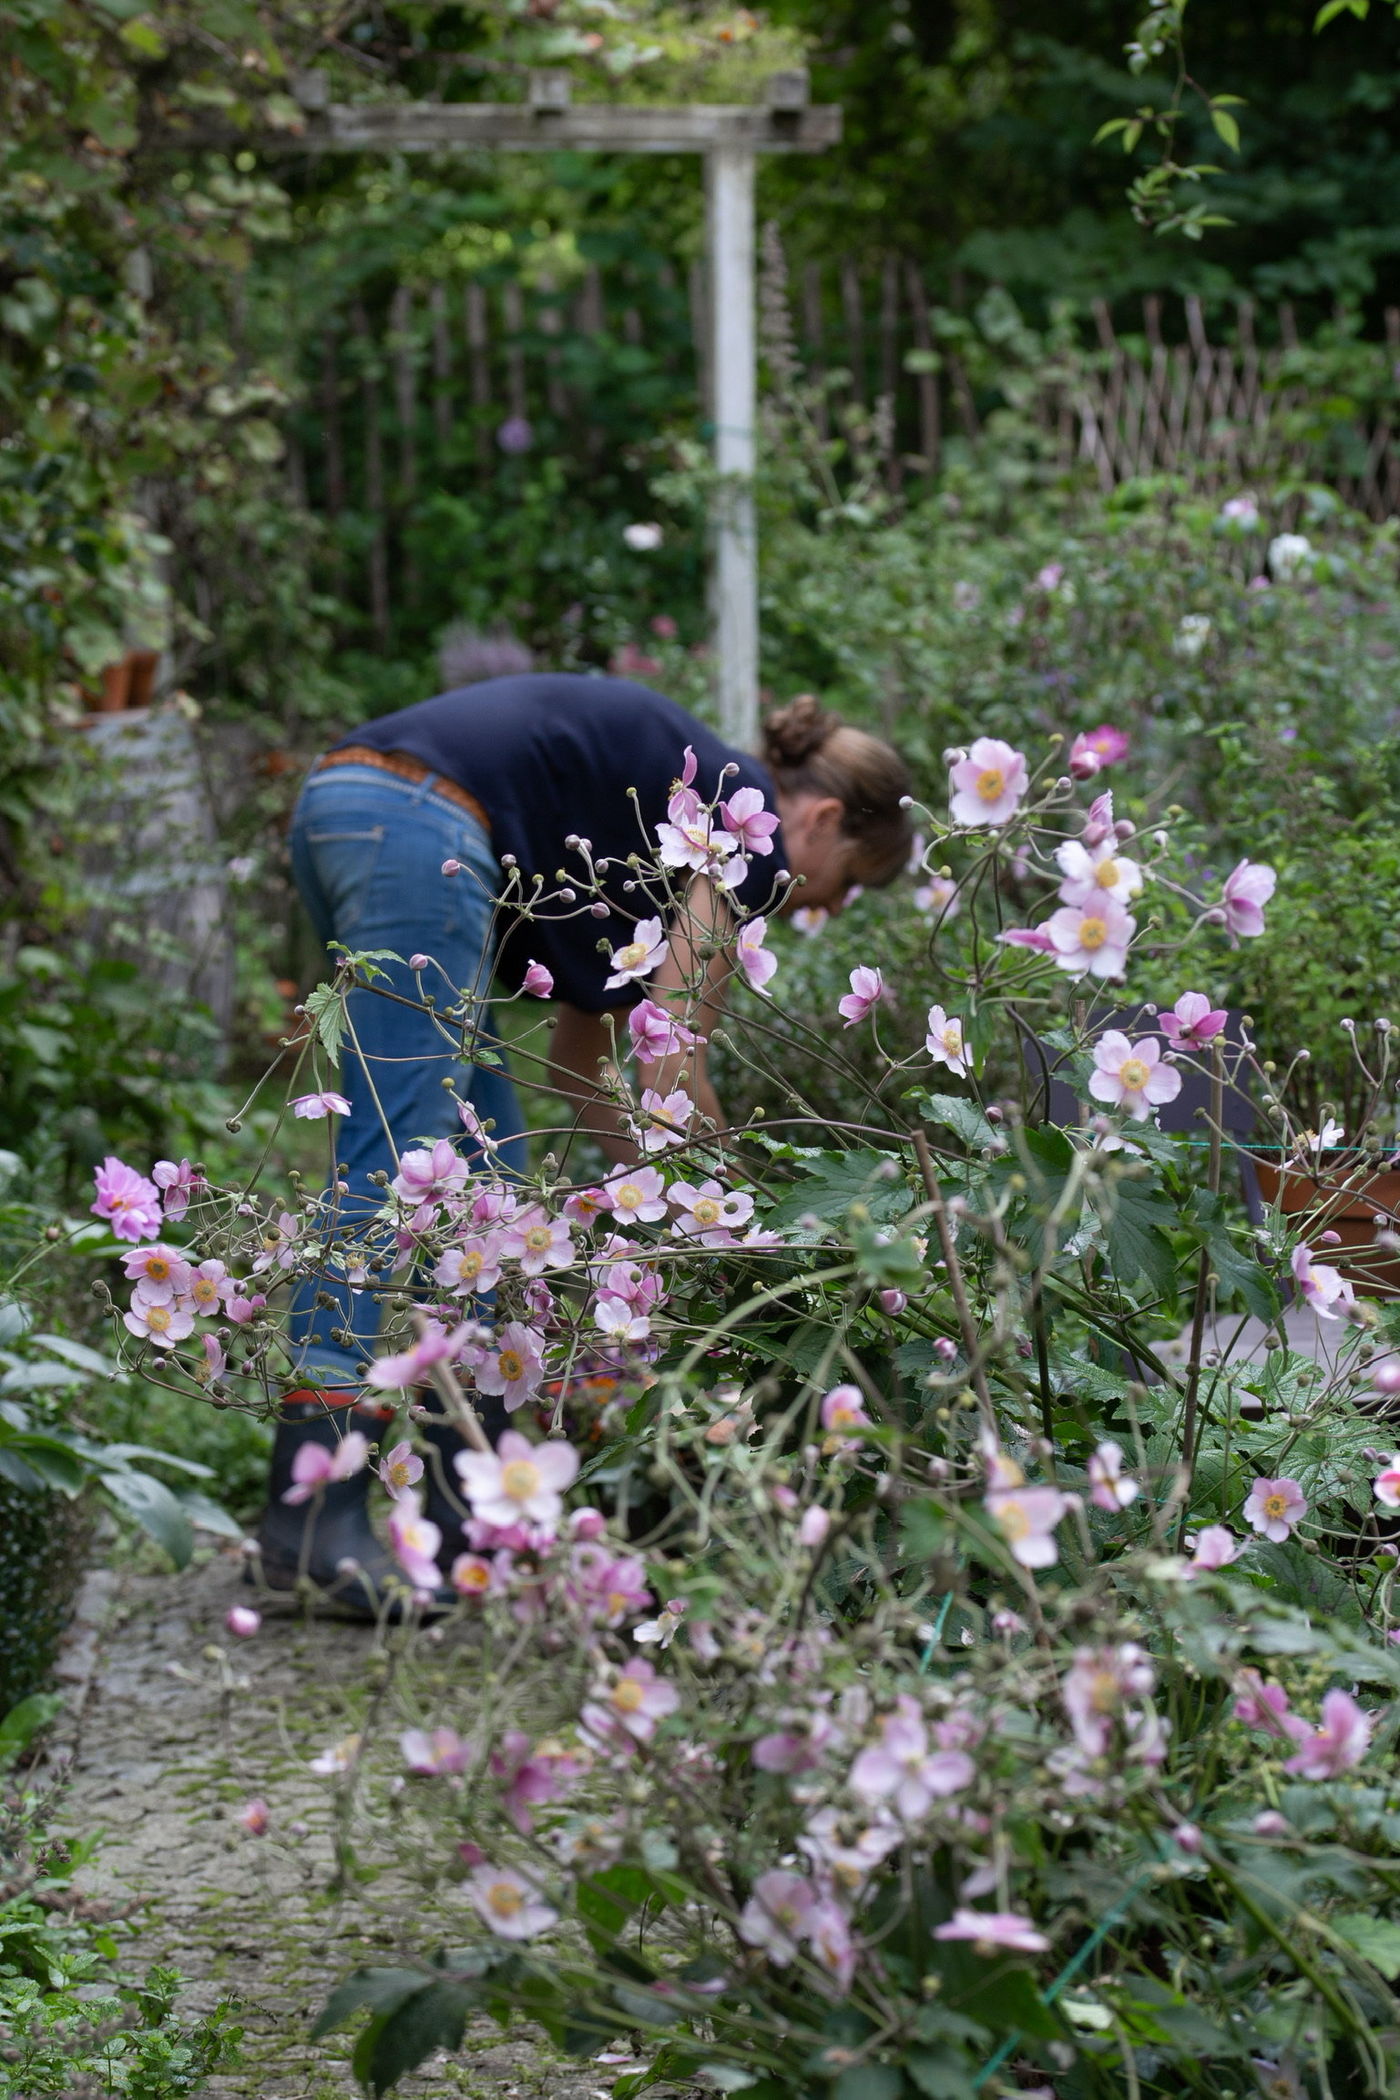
(452, 867)
(816, 1523)
(242, 1621)
(1084, 764)
(419, 962)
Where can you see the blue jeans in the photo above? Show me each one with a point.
(367, 853)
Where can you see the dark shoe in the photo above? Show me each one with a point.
(444, 1503)
(327, 1541)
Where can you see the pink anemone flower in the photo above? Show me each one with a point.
(638, 957)
(1192, 1022)
(538, 981)
(510, 1904)
(129, 1203)
(868, 988)
(1324, 1288)
(1092, 939)
(310, 1107)
(994, 1932)
(1338, 1744)
(753, 958)
(518, 1482)
(944, 1042)
(1131, 1076)
(1248, 889)
(987, 786)
(1026, 1518)
(1275, 1507)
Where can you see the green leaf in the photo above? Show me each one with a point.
(924, 1528)
(1376, 1940)
(155, 1509)
(868, 2082)
(1332, 8)
(326, 1009)
(940, 2073)
(23, 1722)
(144, 39)
(206, 1515)
(1136, 1222)
(429, 2020)
(20, 1475)
(962, 1116)
(77, 1353)
(380, 1990)
(1226, 128)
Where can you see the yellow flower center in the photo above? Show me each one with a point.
(1104, 1696)
(991, 784)
(399, 1474)
(505, 1899)
(157, 1268)
(158, 1318)
(627, 1695)
(1275, 1505)
(843, 1416)
(204, 1291)
(519, 1479)
(472, 1263)
(1013, 1520)
(512, 1367)
(705, 1211)
(951, 1039)
(474, 1578)
(632, 956)
(538, 1238)
(1093, 933)
(1134, 1074)
(629, 1196)
(1106, 874)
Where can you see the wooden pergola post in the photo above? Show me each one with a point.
(730, 137)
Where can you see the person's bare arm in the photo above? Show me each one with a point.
(581, 1043)
(688, 983)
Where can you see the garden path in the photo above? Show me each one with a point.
(176, 1727)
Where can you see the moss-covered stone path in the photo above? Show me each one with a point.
(172, 1739)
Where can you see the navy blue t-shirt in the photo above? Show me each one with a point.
(548, 755)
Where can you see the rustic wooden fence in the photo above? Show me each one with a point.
(441, 383)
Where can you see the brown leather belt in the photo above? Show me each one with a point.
(405, 767)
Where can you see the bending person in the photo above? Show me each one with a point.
(497, 777)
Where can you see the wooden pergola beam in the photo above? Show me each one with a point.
(593, 127)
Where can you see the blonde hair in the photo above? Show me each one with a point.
(810, 751)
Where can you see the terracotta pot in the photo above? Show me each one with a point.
(142, 665)
(1349, 1212)
(112, 697)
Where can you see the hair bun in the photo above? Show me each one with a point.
(795, 733)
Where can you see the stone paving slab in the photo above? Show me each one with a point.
(169, 1744)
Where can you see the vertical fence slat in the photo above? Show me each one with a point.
(552, 325)
(442, 367)
(474, 314)
(698, 292)
(513, 313)
(330, 427)
(405, 388)
(889, 366)
(374, 482)
(814, 345)
(930, 404)
(852, 308)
